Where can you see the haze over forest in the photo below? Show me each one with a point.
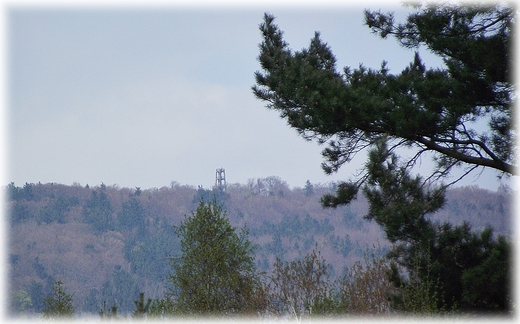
(54, 233)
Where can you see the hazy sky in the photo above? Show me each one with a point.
(146, 96)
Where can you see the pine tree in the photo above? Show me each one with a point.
(98, 211)
(59, 305)
(438, 112)
(452, 260)
(132, 214)
(141, 307)
(110, 314)
(308, 189)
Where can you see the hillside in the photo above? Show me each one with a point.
(108, 243)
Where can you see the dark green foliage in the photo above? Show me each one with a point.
(295, 226)
(345, 193)
(54, 209)
(97, 211)
(149, 255)
(276, 246)
(300, 230)
(451, 256)
(13, 259)
(492, 275)
(352, 220)
(430, 110)
(59, 305)
(141, 307)
(476, 45)
(215, 273)
(161, 308)
(308, 189)
(396, 201)
(28, 191)
(132, 215)
(19, 212)
(476, 38)
(13, 192)
(110, 314)
(39, 268)
(433, 111)
(57, 210)
(341, 245)
(121, 283)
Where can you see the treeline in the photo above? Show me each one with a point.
(215, 275)
(108, 243)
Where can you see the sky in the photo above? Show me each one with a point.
(140, 96)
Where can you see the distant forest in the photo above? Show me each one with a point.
(107, 244)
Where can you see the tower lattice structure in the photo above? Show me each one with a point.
(220, 179)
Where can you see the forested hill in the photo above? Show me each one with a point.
(107, 243)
